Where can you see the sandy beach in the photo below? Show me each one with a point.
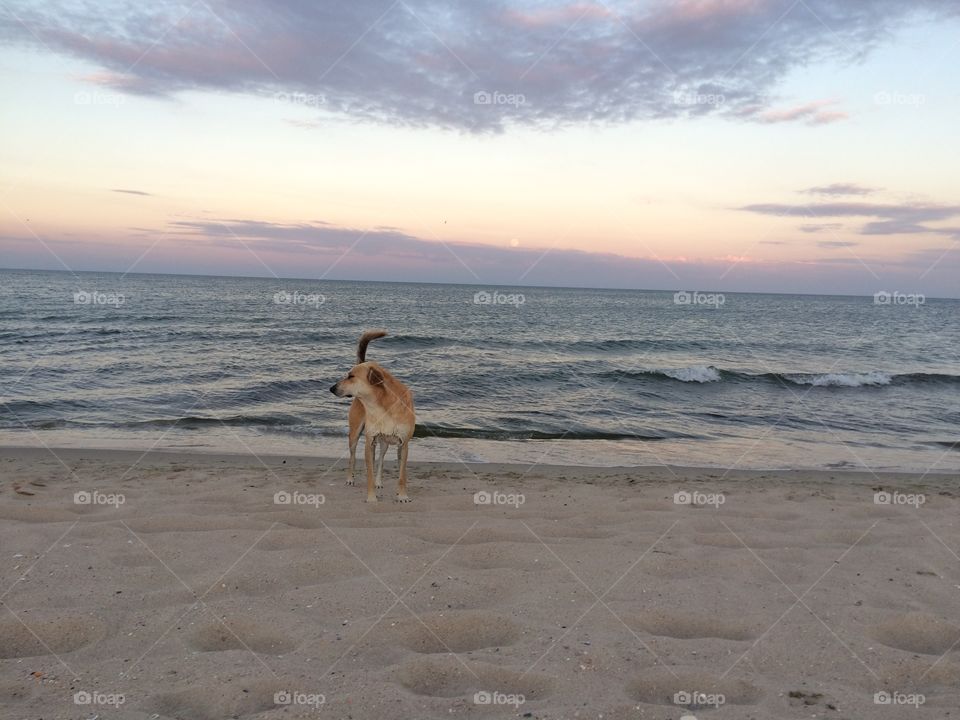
(207, 587)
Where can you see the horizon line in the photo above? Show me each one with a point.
(456, 284)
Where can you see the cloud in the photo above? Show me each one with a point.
(423, 62)
(820, 227)
(240, 247)
(840, 189)
(130, 192)
(836, 244)
(813, 113)
(891, 218)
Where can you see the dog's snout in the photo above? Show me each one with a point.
(333, 388)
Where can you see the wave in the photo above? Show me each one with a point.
(693, 374)
(710, 374)
(426, 430)
(838, 379)
(874, 378)
(697, 374)
(195, 422)
(274, 390)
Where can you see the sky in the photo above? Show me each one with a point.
(736, 145)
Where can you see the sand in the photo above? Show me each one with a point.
(178, 587)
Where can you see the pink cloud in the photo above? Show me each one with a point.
(564, 15)
(698, 10)
(813, 113)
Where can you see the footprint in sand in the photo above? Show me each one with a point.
(500, 555)
(447, 677)
(313, 571)
(239, 634)
(917, 633)
(661, 687)
(459, 632)
(690, 626)
(476, 536)
(215, 702)
(47, 636)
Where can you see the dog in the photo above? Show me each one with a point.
(382, 408)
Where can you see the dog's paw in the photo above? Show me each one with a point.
(350, 482)
(403, 499)
(379, 486)
(372, 499)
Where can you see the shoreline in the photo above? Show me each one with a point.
(652, 472)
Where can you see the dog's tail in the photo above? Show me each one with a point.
(365, 340)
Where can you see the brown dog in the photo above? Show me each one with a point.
(383, 407)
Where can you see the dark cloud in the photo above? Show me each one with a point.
(892, 218)
(820, 227)
(836, 244)
(315, 250)
(840, 189)
(478, 65)
(129, 192)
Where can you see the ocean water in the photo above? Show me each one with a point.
(548, 375)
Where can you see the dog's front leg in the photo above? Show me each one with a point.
(380, 458)
(402, 483)
(368, 454)
(353, 460)
(356, 419)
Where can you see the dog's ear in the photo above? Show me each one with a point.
(374, 376)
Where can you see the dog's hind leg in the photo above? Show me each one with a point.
(402, 483)
(380, 458)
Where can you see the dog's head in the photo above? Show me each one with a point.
(363, 380)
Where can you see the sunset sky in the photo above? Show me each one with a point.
(758, 145)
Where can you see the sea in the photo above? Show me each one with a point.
(531, 375)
